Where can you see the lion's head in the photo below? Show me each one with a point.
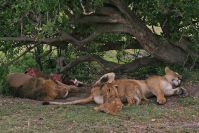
(109, 90)
(173, 77)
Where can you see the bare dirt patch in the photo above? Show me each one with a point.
(193, 88)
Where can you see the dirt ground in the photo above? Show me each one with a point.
(179, 114)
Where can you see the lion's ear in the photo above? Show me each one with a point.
(167, 69)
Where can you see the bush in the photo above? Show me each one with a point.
(3, 84)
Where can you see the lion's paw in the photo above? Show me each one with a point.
(161, 101)
(178, 91)
(184, 92)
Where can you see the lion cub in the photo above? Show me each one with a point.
(112, 102)
(130, 91)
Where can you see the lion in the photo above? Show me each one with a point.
(129, 90)
(112, 103)
(112, 106)
(124, 89)
(25, 86)
(159, 86)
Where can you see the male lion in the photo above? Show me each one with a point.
(160, 86)
(23, 85)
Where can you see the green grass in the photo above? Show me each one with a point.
(19, 115)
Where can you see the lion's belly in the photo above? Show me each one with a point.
(166, 87)
(144, 87)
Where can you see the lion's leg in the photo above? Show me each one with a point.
(184, 91)
(176, 91)
(47, 98)
(99, 108)
(171, 92)
(103, 108)
(158, 92)
(130, 100)
(137, 99)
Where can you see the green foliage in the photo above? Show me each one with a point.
(144, 72)
(3, 85)
(189, 101)
(47, 19)
(22, 64)
(98, 3)
(43, 18)
(86, 72)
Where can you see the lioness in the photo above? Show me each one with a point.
(23, 85)
(160, 86)
(126, 89)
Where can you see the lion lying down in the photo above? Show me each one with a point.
(132, 90)
(112, 103)
(25, 86)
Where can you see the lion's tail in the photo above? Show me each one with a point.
(81, 101)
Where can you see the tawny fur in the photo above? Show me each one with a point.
(25, 86)
(159, 86)
(129, 90)
(15, 80)
(112, 106)
(112, 102)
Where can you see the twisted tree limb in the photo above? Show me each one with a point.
(119, 19)
(105, 64)
(111, 66)
(147, 39)
(65, 37)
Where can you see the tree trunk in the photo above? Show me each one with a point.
(158, 48)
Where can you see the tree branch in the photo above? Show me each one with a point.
(114, 19)
(137, 63)
(184, 44)
(151, 43)
(65, 37)
(111, 66)
(105, 64)
(119, 45)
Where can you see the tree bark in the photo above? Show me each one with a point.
(115, 16)
(160, 49)
(111, 66)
